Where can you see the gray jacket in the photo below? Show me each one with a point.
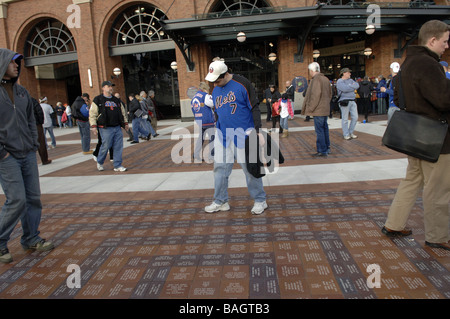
(346, 89)
(18, 132)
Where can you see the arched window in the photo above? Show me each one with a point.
(137, 24)
(231, 8)
(50, 40)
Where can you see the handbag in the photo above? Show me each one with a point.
(138, 113)
(413, 134)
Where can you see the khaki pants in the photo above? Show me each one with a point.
(434, 179)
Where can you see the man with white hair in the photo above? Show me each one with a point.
(317, 104)
(395, 67)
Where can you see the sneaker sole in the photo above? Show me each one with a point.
(218, 210)
(6, 260)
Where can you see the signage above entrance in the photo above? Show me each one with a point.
(355, 47)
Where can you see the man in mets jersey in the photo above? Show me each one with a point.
(238, 114)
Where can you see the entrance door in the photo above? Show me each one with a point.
(251, 61)
(151, 71)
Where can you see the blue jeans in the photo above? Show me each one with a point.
(111, 137)
(85, 133)
(284, 123)
(138, 129)
(223, 164)
(50, 131)
(322, 133)
(352, 108)
(69, 120)
(148, 127)
(20, 183)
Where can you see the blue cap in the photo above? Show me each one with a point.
(443, 63)
(16, 56)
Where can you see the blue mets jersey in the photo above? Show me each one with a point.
(204, 115)
(234, 103)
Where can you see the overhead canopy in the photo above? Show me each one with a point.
(301, 22)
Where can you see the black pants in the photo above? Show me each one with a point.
(276, 119)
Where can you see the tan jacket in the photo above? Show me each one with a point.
(318, 97)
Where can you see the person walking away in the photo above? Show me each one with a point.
(427, 92)
(108, 114)
(80, 112)
(238, 114)
(286, 112)
(317, 105)
(39, 117)
(136, 114)
(19, 175)
(364, 91)
(346, 90)
(381, 96)
(275, 108)
(69, 115)
(395, 67)
(48, 123)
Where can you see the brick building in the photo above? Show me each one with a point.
(71, 46)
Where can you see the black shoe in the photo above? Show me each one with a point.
(395, 233)
(445, 246)
(320, 155)
(134, 142)
(129, 140)
(156, 135)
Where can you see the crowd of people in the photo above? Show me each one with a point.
(233, 108)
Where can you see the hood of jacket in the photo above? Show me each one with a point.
(6, 56)
(18, 132)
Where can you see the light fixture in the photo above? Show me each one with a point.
(174, 65)
(116, 73)
(90, 77)
(367, 52)
(370, 29)
(272, 57)
(241, 37)
(316, 54)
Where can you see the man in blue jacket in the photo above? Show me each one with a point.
(19, 174)
(238, 114)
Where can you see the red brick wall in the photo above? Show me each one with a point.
(93, 53)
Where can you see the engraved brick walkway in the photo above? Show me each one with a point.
(143, 233)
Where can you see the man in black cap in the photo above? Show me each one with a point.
(109, 115)
(19, 175)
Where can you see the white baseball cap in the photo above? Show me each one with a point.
(395, 67)
(216, 69)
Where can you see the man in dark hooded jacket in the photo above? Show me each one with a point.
(19, 176)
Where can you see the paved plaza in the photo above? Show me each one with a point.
(144, 234)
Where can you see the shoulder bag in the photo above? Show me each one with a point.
(413, 134)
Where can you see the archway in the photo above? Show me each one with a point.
(51, 50)
(147, 52)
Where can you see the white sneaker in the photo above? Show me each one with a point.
(215, 207)
(120, 169)
(100, 167)
(94, 158)
(348, 137)
(353, 136)
(259, 207)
